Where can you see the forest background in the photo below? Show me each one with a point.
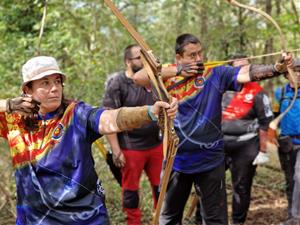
(88, 41)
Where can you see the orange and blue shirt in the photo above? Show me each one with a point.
(54, 169)
(198, 121)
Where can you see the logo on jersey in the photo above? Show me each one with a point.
(199, 82)
(100, 189)
(58, 131)
(249, 97)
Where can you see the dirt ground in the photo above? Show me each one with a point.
(267, 207)
(268, 200)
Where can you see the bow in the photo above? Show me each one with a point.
(274, 123)
(153, 68)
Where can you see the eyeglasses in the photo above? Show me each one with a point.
(137, 58)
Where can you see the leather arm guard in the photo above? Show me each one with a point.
(129, 118)
(262, 72)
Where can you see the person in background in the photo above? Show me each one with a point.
(245, 119)
(137, 150)
(289, 144)
(50, 141)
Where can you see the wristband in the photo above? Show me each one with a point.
(150, 114)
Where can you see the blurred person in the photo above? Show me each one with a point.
(245, 120)
(137, 150)
(289, 144)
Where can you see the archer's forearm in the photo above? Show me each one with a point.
(257, 73)
(114, 143)
(141, 77)
(125, 118)
(168, 72)
(3, 105)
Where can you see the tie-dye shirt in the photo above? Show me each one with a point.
(198, 121)
(54, 169)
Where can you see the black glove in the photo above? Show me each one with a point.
(23, 105)
(194, 68)
(280, 66)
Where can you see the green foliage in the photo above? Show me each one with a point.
(88, 40)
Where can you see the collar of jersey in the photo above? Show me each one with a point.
(47, 116)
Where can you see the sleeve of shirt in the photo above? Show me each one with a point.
(86, 119)
(112, 95)
(3, 125)
(227, 77)
(263, 110)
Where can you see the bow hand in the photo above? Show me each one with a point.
(190, 69)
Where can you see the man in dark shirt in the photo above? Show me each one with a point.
(138, 149)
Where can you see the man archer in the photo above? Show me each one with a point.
(200, 157)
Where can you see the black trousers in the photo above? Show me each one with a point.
(287, 162)
(239, 158)
(210, 186)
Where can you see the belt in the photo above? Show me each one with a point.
(295, 136)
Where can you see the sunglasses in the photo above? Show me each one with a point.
(137, 58)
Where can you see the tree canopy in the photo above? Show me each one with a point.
(88, 40)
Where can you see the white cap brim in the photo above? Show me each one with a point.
(44, 74)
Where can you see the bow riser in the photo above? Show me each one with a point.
(153, 68)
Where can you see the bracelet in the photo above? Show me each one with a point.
(150, 114)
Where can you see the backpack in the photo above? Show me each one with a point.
(283, 97)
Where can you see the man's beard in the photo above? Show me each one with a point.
(136, 68)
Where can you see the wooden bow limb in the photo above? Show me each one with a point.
(170, 141)
(38, 50)
(101, 148)
(193, 205)
(272, 142)
(153, 68)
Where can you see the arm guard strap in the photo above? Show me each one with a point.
(129, 118)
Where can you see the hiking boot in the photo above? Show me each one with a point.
(292, 221)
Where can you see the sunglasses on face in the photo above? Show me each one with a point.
(137, 58)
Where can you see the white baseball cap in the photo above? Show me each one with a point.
(39, 67)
